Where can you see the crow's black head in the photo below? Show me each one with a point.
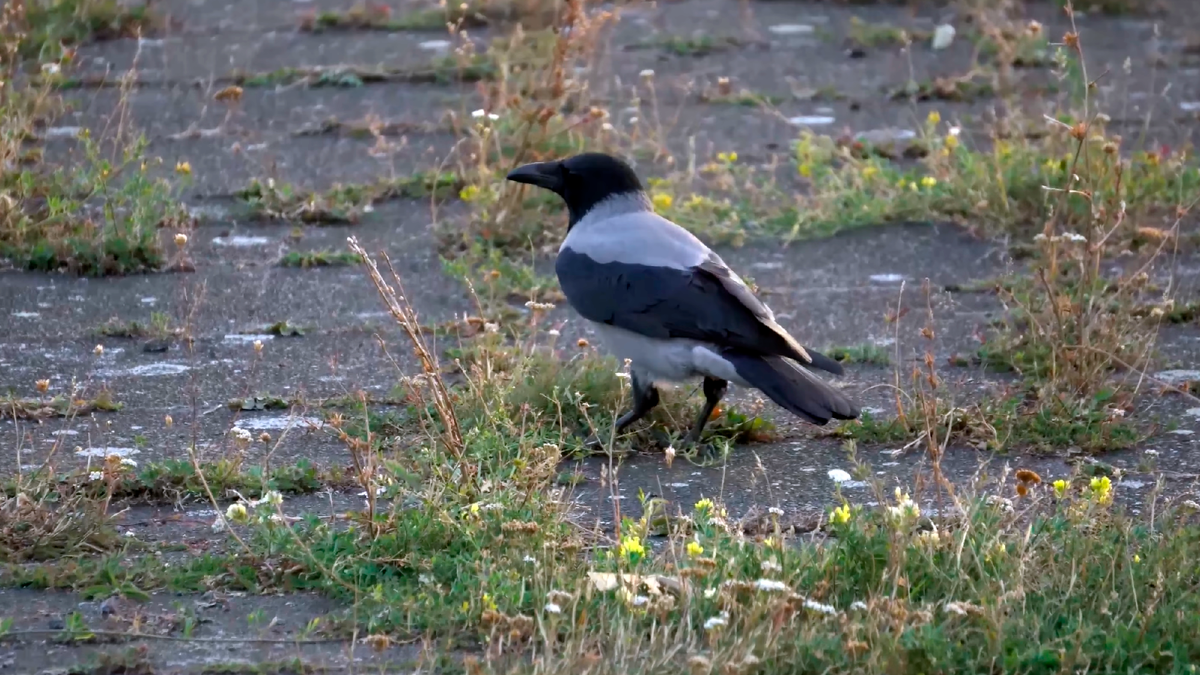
(582, 180)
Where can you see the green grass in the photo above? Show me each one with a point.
(323, 258)
(341, 204)
(51, 23)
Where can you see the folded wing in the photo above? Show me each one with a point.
(705, 302)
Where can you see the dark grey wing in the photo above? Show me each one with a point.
(704, 303)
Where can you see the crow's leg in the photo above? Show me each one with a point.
(714, 389)
(645, 397)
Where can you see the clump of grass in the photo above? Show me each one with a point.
(341, 204)
(158, 327)
(42, 408)
(104, 214)
(871, 35)
(324, 258)
(374, 16)
(869, 353)
(48, 26)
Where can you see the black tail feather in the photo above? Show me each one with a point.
(823, 362)
(792, 387)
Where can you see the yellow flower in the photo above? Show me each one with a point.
(466, 606)
(183, 168)
(631, 548)
(771, 542)
(1102, 489)
(488, 603)
(694, 549)
(912, 186)
(951, 142)
(469, 193)
(928, 182)
(704, 506)
(841, 514)
(934, 117)
(475, 509)
(694, 201)
(869, 171)
(236, 512)
(1136, 558)
(727, 157)
(662, 201)
(806, 170)
(1060, 488)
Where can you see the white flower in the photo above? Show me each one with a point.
(716, 621)
(96, 475)
(424, 579)
(607, 126)
(770, 585)
(218, 525)
(858, 605)
(710, 592)
(775, 510)
(633, 120)
(477, 114)
(554, 332)
(1077, 238)
(553, 608)
(493, 116)
(273, 498)
(1001, 503)
(646, 74)
(1040, 236)
(490, 327)
(125, 461)
(954, 131)
(50, 68)
(1152, 452)
(956, 608)
(531, 560)
(623, 376)
(820, 607)
(771, 566)
(240, 434)
(639, 600)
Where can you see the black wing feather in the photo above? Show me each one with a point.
(661, 302)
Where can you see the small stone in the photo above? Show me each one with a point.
(943, 36)
(791, 29)
(57, 624)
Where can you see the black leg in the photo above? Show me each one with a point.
(714, 389)
(645, 397)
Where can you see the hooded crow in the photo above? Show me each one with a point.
(659, 297)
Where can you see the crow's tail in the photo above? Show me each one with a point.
(792, 387)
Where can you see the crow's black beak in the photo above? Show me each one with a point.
(542, 174)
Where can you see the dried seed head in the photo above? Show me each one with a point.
(230, 94)
(1028, 476)
(582, 343)
(1022, 490)
(1071, 40)
(1079, 131)
(43, 386)
(1034, 29)
(264, 437)
(1110, 148)
(723, 86)
(258, 346)
(99, 350)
